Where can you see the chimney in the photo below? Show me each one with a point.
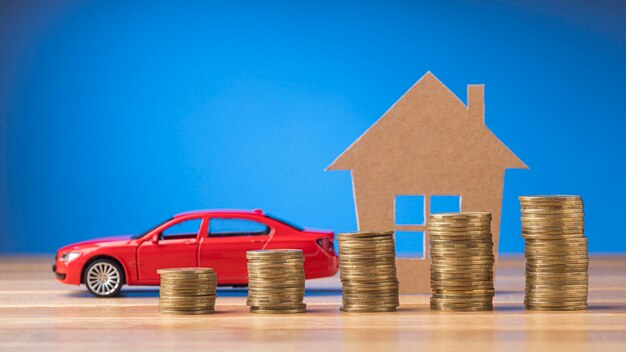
(476, 101)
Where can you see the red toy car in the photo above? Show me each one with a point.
(217, 239)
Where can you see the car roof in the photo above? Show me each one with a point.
(220, 212)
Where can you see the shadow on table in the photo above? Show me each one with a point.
(519, 307)
(509, 292)
(604, 307)
(221, 292)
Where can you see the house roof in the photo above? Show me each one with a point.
(429, 125)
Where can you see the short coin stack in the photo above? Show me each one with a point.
(187, 291)
(461, 251)
(276, 281)
(556, 252)
(368, 272)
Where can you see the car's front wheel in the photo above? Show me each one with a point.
(104, 278)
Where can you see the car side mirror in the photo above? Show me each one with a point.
(155, 239)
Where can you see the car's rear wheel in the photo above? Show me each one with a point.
(104, 278)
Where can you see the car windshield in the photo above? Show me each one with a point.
(141, 234)
(299, 228)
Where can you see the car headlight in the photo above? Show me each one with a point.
(69, 256)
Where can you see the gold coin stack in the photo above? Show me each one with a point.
(461, 252)
(187, 291)
(276, 281)
(557, 260)
(367, 266)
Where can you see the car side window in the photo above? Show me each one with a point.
(224, 227)
(182, 230)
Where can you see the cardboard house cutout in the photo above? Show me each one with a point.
(428, 143)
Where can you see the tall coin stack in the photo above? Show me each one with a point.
(187, 291)
(461, 251)
(367, 265)
(557, 261)
(276, 281)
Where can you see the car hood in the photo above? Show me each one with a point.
(99, 242)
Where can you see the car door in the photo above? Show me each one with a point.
(172, 245)
(225, 245)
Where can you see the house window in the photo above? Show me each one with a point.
(445, 204)
(409, 210)
(409, 244)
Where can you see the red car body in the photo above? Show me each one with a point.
(140, 256)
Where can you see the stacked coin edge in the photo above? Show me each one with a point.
(461, 252)
(276, 281)
(187, 291)
(556, 251)
(368, 272)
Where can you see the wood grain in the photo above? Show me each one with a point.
(38, 313)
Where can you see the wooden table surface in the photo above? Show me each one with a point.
(38, 313)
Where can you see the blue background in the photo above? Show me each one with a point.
(114, 115)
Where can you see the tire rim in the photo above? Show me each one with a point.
(103, 278)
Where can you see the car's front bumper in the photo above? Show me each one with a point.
(67, 273)
(59, 276)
